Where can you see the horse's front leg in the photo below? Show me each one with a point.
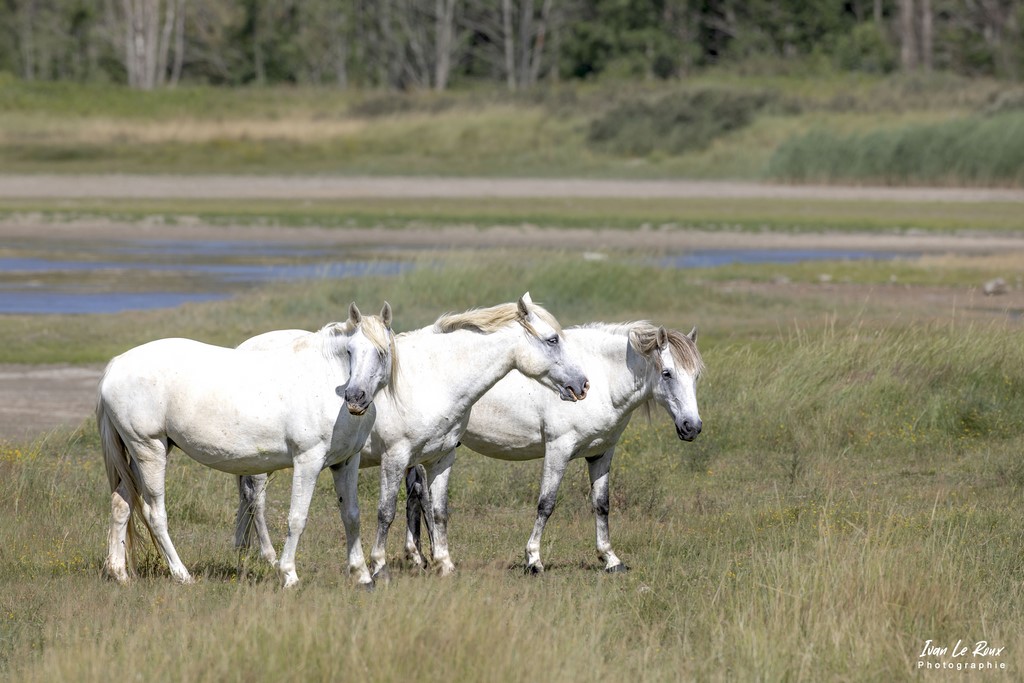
(437, 484)
(598, 467)
(304, 477)
(252, 515)
(555, 462)
(346, 485)
(392, 473)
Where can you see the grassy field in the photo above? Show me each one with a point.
(855, 493)
(548, 132)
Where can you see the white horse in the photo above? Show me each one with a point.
(630, 365)
(445, 369)
(242, 412)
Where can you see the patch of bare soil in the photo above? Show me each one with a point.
(35, 399)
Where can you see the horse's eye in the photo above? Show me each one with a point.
(666, 373)
(553, 341)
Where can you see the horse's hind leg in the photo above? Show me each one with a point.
(149, 464)
(598, 468)
(116, 564)
(252, 515)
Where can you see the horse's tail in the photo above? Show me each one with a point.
(417, 503)
(247, 495)
(119, 472)
(415, 483)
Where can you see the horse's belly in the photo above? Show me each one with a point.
(252, 464)
(501, 449)
(235, 452)
(233, 462)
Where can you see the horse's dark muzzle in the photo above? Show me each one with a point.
(575, 393)
(688, 430)
(357, 401)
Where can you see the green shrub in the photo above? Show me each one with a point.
(865, 48)
(391, 104)
(676, 123)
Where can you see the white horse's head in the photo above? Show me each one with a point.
(372, 359)
(543, 356)
(675, 368)
(539, 352)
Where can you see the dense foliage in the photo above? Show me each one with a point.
(430, 43)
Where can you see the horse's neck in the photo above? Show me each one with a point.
(474, 362)
(629, 383)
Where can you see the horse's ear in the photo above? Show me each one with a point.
(662, 338)
(354, 316)
(385, 315)
(693, 334)
(524, 305)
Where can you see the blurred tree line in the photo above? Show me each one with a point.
(432, 43)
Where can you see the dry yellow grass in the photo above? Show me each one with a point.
(186, 131)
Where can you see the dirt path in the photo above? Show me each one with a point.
(334, 187)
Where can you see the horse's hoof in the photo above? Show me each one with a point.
(383, 574)
(619, 568)
(368, 587)
(415, 560)
(535, 569)
(119, 575)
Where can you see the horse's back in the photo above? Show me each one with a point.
(295, 339)
(155, 370)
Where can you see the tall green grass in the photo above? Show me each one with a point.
(854, 494)
(974, 151)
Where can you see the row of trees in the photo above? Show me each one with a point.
(430, 43)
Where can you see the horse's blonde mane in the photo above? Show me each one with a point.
(492, 319)
(643, 337)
